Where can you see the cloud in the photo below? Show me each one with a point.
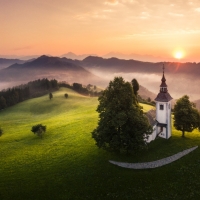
(197, 9)
(176, 14)
(111, 2)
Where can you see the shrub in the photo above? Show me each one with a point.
(66, 95)
(39, 130)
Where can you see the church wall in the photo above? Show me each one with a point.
(164, 116)
(161, 114)
(169, 124)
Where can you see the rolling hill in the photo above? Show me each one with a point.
(66, 164)
(7, 62)
(122, 65)
(47, 67)
(182, 78)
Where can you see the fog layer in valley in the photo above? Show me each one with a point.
(181, 78)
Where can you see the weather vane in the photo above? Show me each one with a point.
(163, 68)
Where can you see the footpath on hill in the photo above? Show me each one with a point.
(154, 164)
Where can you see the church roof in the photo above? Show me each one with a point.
(163, 97)
(163, 80)
(151, 116)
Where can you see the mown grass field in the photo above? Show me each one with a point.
(66, 164)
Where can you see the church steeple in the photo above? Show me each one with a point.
(163, 86)
(163, 95)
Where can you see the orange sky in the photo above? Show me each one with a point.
(101, 26)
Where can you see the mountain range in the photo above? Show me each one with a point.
(47, 67)
(182, 78)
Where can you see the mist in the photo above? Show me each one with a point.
(178, 84)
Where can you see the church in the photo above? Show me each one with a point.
(160, 118)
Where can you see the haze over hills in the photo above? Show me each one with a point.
(73, 56)
(133, 56)
(182, 78)
(145, 58)
(47, 67)
(4, 62)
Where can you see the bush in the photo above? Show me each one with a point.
(66, 95)
(39, 130)
(1, 132)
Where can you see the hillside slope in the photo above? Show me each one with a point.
(4, 62)
(66, 164)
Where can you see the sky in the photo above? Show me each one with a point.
(159, 28)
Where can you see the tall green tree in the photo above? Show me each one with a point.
(186, 116)
(2, 102)
(136, 88)
(122, 127)
(1, 131)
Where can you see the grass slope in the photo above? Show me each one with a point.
(66, 164)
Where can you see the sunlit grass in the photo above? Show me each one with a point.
(146, 107)
(66, 164)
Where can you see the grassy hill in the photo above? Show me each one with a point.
(66, 164)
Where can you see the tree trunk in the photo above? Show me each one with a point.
(183, 133)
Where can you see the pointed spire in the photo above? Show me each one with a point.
(163, 77)
(163, 95)
(163, 86)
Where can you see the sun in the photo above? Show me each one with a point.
(178, 55)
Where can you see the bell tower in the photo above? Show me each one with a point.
(163, 110)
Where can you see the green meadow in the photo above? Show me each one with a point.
(66, 163)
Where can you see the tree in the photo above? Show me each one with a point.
(50, 95)
(122, 127)
(136, 86)
(2, 102)
(186, 116)
(39, 130)
(1, 131)
(149, 99)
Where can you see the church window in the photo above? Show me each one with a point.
(161, 107)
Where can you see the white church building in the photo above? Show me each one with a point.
(160, 118)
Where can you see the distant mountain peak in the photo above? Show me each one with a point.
(74, 56)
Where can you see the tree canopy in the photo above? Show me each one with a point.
(136, 86)
(186, 116)
(122, 127)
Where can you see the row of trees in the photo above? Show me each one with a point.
(23, 92)
(78, 87)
